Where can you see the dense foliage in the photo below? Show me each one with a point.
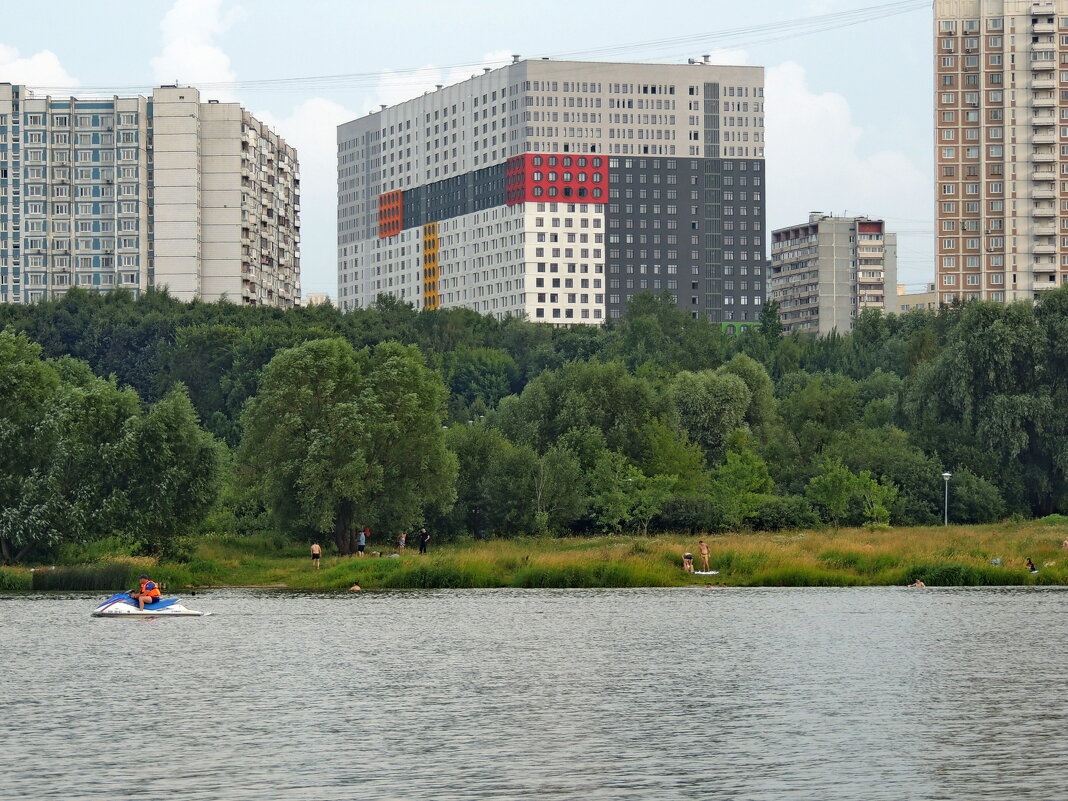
(655, 421)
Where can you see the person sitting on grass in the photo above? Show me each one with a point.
(149, 592)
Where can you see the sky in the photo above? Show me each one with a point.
(849, 114)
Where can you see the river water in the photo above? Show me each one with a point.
(751, 694)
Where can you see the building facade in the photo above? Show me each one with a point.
(825, 271)
(557, 190)
(1001, 73)
(910, 301)
(163, 191)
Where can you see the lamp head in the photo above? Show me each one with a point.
(947, 476)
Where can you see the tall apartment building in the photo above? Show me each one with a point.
(1001, 73)
(134, 192)
(559, 189)
(825, 271)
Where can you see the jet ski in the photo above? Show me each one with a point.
(123, 605)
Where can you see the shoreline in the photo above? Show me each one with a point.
(992, 555)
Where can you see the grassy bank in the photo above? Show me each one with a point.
(939, 556)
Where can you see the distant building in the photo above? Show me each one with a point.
(315, 298)
(908, 301)
(1000, 148)
(558, 190)
(139, 192)
(825, 271)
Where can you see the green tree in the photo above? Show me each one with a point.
(833, 489)
(710, 407)
(337, 438)
(739, 486)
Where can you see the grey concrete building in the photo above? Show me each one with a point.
(825, 271)
(138, 192)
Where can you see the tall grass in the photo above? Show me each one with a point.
(940, 556)
(15, 580)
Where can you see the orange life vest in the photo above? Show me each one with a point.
(150, 587)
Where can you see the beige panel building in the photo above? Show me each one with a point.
(1001, 148)
(167, 191)
(825, 271)
(910, 301)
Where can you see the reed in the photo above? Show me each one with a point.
(108, 576)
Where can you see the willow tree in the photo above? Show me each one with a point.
(338, 438)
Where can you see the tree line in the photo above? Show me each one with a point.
(312, 421)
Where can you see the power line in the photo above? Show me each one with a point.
(664, 48)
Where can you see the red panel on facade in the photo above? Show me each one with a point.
(390, 213)
(870, 227)
(557, 178)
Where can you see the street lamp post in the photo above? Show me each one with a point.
(945, 519)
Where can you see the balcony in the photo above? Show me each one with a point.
(1044, 138)
(1043, 82)
(1042, 174)
(1046, 101)
(1044, 230)
(1043, 27)
(1044, 286)
(1043, 120)
(1044, 212)
(1040, 250)
(1043, 157)
(1044, 267)
(1043, 193)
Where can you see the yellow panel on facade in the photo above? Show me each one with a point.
(431, 297)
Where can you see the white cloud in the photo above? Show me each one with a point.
(41, 69)
(190, 55)
(816, 161)
(312, 129)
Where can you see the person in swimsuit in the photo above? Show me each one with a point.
(316, 552)
(705, 551)
(402, 540)
(917, 583)
(687, 562)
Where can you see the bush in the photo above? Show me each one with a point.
(777, 513)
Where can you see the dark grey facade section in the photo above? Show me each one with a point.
(454, 197)
(691, 226)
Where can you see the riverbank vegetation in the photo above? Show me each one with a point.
(157, 423)
(951, 556)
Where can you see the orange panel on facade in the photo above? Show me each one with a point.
(390, 214)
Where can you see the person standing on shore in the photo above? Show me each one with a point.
(402, 540)
(361, 541)
(424, 538)
(705, 551)
(687, 562)
(316, 552)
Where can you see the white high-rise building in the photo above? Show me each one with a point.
(1001, 148)
(167, 191)
(558, 190)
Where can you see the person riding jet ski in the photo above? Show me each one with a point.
(149, 592)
